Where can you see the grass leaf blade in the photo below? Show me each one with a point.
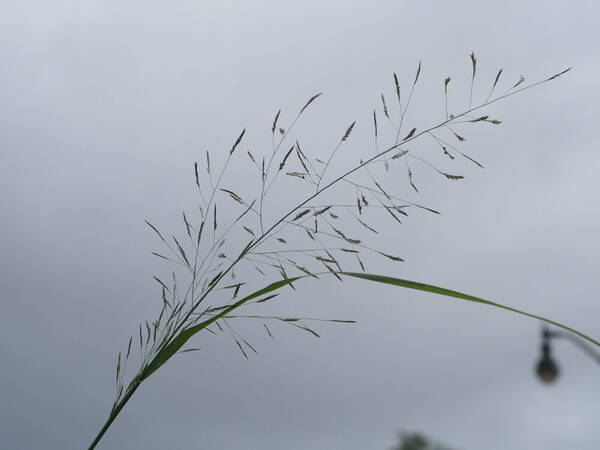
(450, 293)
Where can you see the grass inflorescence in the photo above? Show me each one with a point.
(325, 239)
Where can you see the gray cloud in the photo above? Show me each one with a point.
(105, 107)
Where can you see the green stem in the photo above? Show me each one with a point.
(114, 413)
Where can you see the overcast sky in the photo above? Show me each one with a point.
(104, 108)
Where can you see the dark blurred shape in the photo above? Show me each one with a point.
(547, 369)
(417, 441)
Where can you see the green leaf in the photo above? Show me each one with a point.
(450, 293)
(166, 353)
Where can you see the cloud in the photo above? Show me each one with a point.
(105, 110)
